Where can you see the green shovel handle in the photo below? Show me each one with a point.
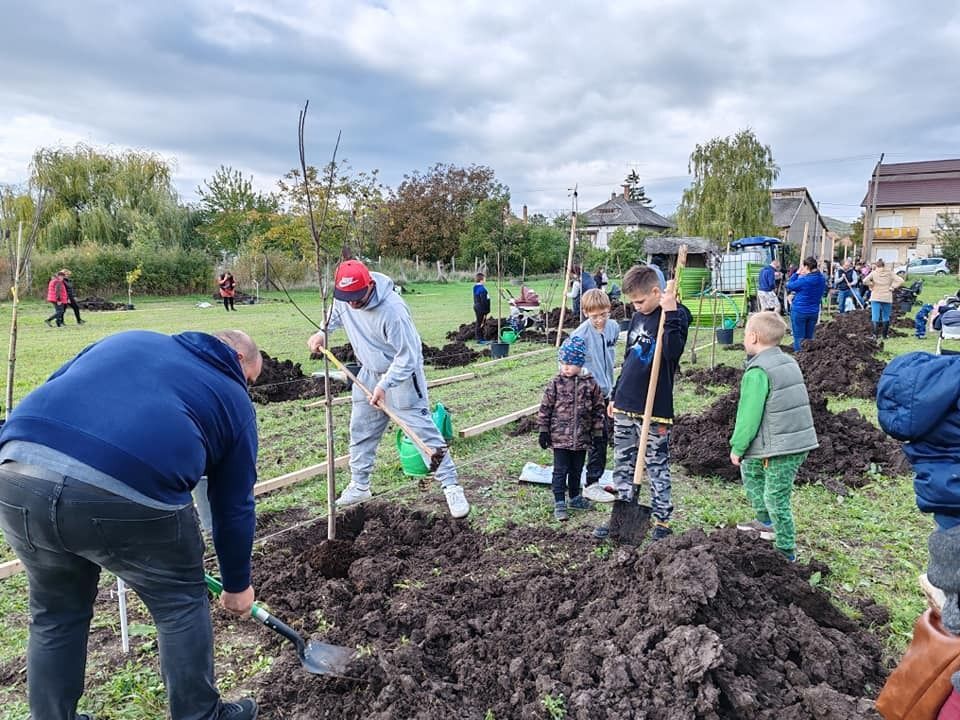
(216, 587)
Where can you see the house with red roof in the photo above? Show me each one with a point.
(910, 196)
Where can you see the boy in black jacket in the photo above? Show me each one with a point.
(641, 285)
(481, 305)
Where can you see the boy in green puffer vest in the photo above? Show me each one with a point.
(773, 432)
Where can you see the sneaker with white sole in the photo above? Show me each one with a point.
(245, 709)
(456, 501)
(765, 530)
(594, 492)
(353, 494)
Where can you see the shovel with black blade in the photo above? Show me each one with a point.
(629, 520)
(316, 657)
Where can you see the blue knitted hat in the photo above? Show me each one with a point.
(573, 351)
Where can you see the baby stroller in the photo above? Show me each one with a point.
(908, 295)
(947, 322)
(525, 312)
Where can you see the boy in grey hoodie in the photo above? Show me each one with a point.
(600, 335)
(389, 350)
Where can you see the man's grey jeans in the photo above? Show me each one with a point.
(64, 531)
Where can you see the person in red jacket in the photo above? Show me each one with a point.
(57, 294)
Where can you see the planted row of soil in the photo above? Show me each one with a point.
(282, 380)
(453, 622)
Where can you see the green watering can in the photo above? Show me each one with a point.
(410, 459)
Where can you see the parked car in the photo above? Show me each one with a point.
(924, 266)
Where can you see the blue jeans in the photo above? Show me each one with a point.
(803, 327)
(64, 532)
(880, 311)
(844, 294)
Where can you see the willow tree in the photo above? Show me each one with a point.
(730, 193)
(106, 198)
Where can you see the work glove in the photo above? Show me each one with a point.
(944, 573)
(544, 440)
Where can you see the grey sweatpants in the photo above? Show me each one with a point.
(367, 424)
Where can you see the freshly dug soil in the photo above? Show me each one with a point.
(455, 623)
(524, 426)
(453, 354)
(850, 446)
(719, 375)
(840, 359)
(468, 331)
(94, 303)
(284, 380)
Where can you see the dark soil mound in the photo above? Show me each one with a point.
(343, 353)
(455, 623)
(719, 375)
(619, 311)
(94, 303)
(453, 354)
(524, 426)
(284, 380)
(468, 331)
(553, 318)
(850, 446)
(840, 359)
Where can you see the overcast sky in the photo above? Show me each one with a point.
(550, 94)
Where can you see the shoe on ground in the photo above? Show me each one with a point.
(83, 716)
(661, 530)
(560, 511)
(48, 323)
(81, 322)
(353, 494)
(758, 526)
(790, 555)
(245, 709)
(456, 501)
(580, 503)
(597, 494)
(602, 532)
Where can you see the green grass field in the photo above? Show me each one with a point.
(874, 540)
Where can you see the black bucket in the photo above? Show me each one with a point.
(725, 336)
(499, 349)
(353, 368)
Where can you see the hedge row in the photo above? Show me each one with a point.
(102, 271)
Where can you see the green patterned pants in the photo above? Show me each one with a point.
(769, 483)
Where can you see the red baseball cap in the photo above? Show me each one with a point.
(351, 281)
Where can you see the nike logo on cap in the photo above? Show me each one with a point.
(346, 282)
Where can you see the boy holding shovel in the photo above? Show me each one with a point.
(641, 285)
(773, 432)
(388, 347)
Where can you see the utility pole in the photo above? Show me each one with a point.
(871, 210)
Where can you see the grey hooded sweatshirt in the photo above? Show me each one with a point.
(382, 335)
(600, 352)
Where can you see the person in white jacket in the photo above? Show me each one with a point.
(387, 346)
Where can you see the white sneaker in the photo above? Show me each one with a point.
(353, 494)
(457, 501)
(597, 494)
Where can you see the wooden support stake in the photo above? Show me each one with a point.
(497, 422)
(803, 246)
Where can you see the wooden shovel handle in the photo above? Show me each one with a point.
(654, 377)
(381, 405)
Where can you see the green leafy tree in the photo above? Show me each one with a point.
(636, 191)
(947, 232)
(732, 177)
(231, 211)
(626, 248)
(427, 214)
(102, 198)
(856, 233)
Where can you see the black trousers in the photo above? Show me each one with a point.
(480, 316)
(76, 310)
(567, 469)
(228, 304)
(597, 456)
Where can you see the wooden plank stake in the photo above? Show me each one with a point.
(566, 276)
(498, 422)
(803, 246)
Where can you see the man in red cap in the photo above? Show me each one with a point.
(380, 330)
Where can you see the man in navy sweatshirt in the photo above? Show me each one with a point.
(96, 470)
